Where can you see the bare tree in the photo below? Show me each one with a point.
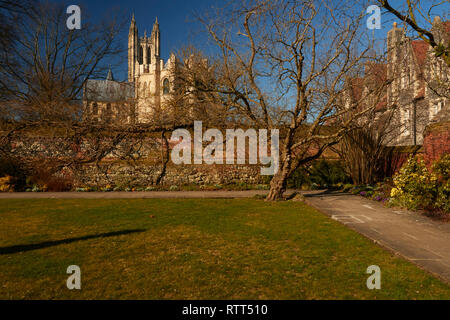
(46, 68)
(11, 12)
(365, 150)
(43, 75)
(283, 64)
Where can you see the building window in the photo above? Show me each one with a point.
(141, 55)
(149, 60)
(95, 108)
(166, 86)
(404, 119)
(435, 108)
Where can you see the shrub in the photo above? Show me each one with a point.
(47, 176)
(107, 188)
(363, 190)
(329, 173)
(266, 179)
(299, 178)
(36, 189)
(417, 187)
(414, 185)
(443, 197)
(10, 167)
(320, 174)
(6, 184)
(442, 169)
(59, 184)
(347, 187)
(46, 181)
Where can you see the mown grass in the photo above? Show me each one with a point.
(193, 249)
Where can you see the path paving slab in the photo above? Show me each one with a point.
(417, 238)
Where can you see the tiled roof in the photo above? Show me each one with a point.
(447, 28)
(108, 91)
(378, 71)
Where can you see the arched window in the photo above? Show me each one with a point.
(166, 88)
(149, 59)
(95, 108)
(141, 55)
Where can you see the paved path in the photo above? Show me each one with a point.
(133, 195)
(419, 239)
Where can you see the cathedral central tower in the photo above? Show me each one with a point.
(153, 80)
(142, 52)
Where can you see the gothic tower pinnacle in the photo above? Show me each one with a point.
(156, 38)
(132, 49)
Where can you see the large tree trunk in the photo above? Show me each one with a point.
(278, 184)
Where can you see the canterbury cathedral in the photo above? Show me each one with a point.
(150, 83)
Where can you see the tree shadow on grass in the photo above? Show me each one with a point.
(46, 244)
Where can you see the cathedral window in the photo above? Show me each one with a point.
(149, 60)
(166, 86)
(141, 54)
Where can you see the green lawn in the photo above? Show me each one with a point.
(193, 249)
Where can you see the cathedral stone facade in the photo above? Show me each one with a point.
(152, 78)
(149, 87)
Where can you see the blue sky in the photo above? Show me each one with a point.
(177, 20)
